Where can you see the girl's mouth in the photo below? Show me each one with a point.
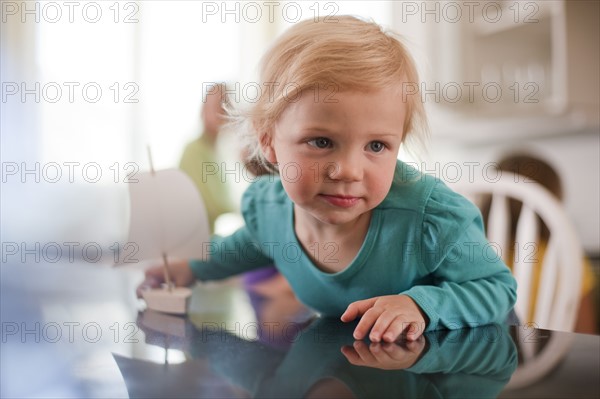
(342, 201)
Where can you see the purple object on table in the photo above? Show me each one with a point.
(259, 275)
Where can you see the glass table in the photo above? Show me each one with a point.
(77, 330)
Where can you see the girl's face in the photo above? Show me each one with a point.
(337, 151)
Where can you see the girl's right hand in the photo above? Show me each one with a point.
(180, 272)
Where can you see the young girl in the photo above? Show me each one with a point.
(355, 232)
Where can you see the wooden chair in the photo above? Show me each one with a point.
(556, 302)
(559, 287)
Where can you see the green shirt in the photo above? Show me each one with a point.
(424, 241)
(199, 163)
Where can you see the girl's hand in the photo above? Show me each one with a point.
(386, 355)
(387, 317)
(180, 272)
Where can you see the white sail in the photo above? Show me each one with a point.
(168, 216)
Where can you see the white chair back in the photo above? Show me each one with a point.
(557, 298)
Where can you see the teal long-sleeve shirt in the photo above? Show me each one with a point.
(424, 241)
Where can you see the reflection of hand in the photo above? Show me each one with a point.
(180, 273)
(387, 356)
(388, 317)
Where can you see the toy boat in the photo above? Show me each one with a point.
(168, 221)
(172, 301)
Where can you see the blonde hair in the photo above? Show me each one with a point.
(346, 54)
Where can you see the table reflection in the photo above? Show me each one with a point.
(323, 359)
(235, 344)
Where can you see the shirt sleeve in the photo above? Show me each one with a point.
(471, 285)
(237, 253)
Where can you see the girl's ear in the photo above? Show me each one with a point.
(266, 145)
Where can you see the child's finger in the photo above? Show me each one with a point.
(400, 326)
(381, 326)
(366, 322)
(357, 308)
(413, 331)
(149, 283)
(395, 328)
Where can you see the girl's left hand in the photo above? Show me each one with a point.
(387, 317)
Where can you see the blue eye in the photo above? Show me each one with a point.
(376, 146)
(320, 142)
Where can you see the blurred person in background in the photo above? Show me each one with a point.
(200, 160)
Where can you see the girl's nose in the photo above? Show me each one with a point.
(346, 168)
